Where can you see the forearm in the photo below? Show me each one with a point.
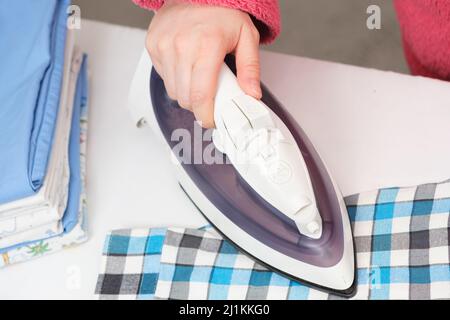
(265, 13)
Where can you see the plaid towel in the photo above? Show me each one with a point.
(402, 245)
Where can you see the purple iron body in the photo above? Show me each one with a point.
(253, 224)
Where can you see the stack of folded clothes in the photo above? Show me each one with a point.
(43, 123)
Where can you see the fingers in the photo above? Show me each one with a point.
(168, 62)
(247, 61)
(186, 55)
(187, 45)
(204, 80)
(183, 73)
(190, 72)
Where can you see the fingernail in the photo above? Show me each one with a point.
(256, 89)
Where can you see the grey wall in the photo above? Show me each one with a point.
(324, 29)
(123, 12)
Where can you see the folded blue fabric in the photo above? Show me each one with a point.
(70, 218)
(33, 35)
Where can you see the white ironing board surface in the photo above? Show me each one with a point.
(373, 129)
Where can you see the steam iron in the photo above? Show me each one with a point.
(257, 179)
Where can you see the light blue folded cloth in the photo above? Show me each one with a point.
(33, 35)
(70, 218)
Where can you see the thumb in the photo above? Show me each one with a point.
(247, 61)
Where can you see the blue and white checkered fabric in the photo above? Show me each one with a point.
(402, 246)
(130, 268)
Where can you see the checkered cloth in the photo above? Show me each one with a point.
(402, 245)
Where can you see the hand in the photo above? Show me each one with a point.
(188, 44)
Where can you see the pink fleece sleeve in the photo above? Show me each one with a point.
(265, 12)
(426, 32)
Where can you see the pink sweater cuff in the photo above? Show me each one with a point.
(426, 33)
(266, 12)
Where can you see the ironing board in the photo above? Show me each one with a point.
(374, 129)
